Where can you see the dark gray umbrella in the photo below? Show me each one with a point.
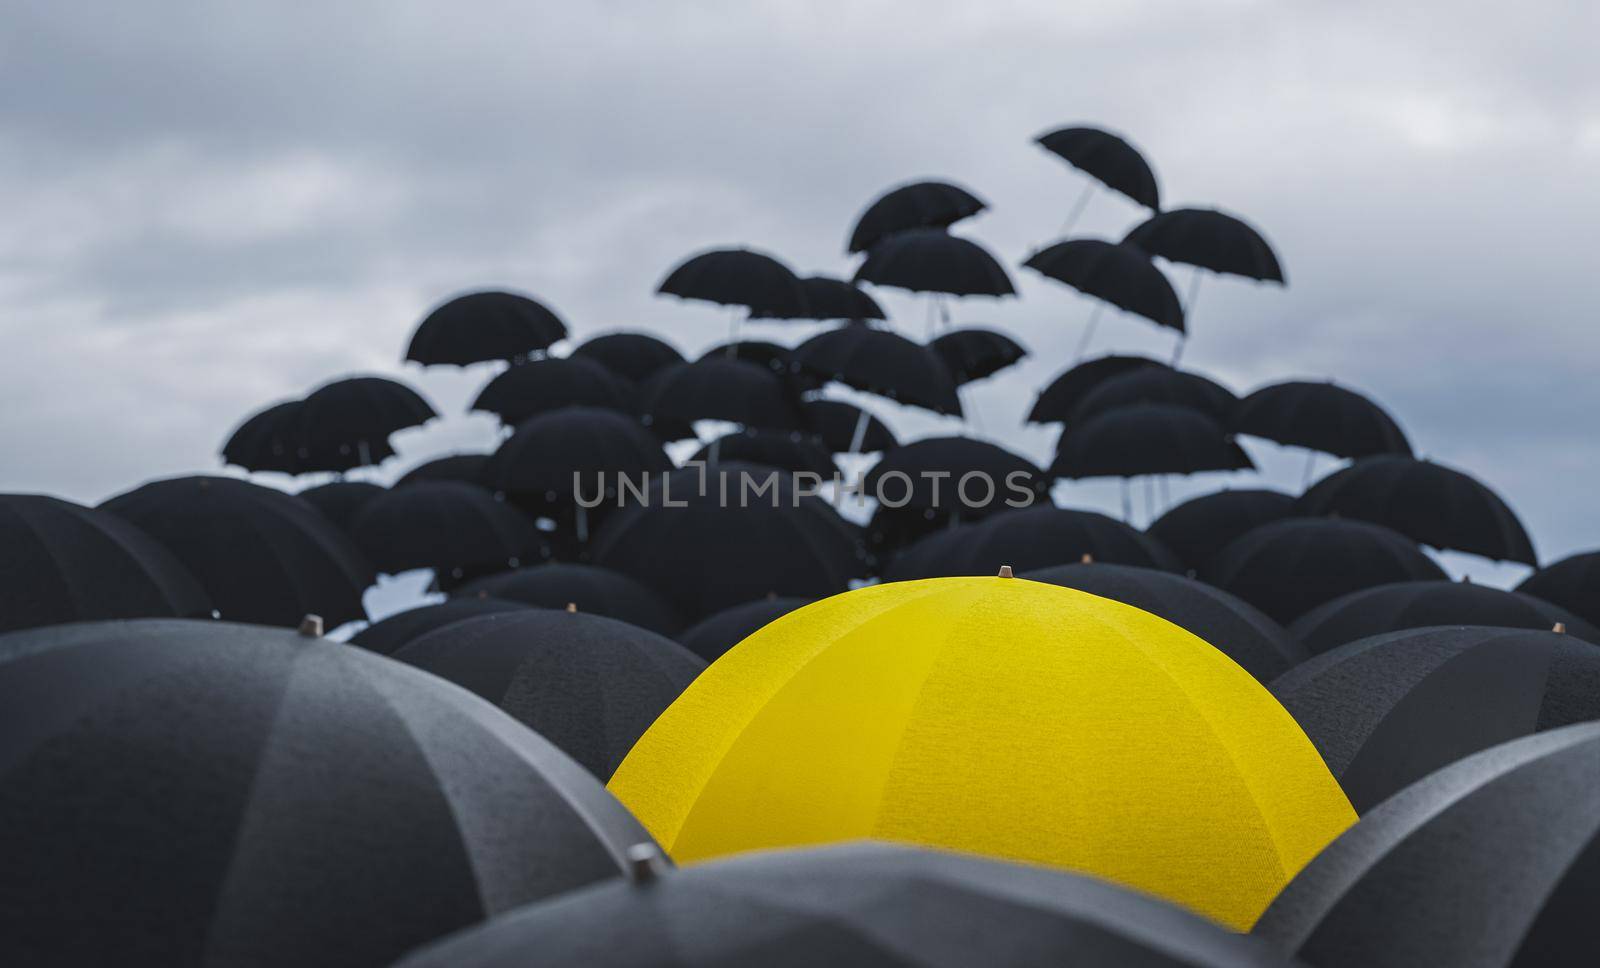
(852, 906)
(550, 455)
(1573, 583)
(738, 277)
(715, 634)
(341, 501)
(1107, 158)
(933, 260)
(884, 363)
(830, 298)
(945, 473)
(1418, 604)
(457, 529)
(347, 423)
(1118, 275)
(202, 793)
(588, 684)
(1202, 526)
(400, 629)
(1492, 862)
(482, 326)
(453, 467)
(845, 428)
(1027, 540)
(1146, 438)
(539, 386)
(1056, 402)
(785, 450)
(1320, 417)
(1208, 239)
(1158, 384)
(591, 589)
(272, 440)
(924, 204)
(633, 356)
(974, 353)
(722, 389)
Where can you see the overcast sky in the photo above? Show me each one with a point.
(205, 207)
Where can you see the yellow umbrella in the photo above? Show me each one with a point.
(998, 716)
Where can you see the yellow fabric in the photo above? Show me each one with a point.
(998, 716)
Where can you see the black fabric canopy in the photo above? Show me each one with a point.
(347, 423)
(1107, 158)
(549, 451)
(633, 356)
(341, 501)
(739, 277)
(1322, 417)
(591, 589)
(1146, 438)
(925, 204)
(1202, 526)
(974, 353)
(1158, 384)
(933, 260)
(789, 451)
(830, 298)
(469, 468)
(1418, 604)
(901, 477)
(717, 633)
(1573, 583)
(1056, 402)
(1121, 275)
(884, 363)
(1208, 239)
(395, 632)
(718, 388)
(1028, 539)
(271, 440)
(481, 326)
(837, 423)
(450, 526)
(539, 386)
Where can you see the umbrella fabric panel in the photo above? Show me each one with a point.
(1419, 604)
(481, 326)
(1108, 159)
(589, 588)
(927, 204)
(388, 636)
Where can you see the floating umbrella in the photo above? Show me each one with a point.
(830, 298)
(1320, 417)
(347, 423)
(588, 588)
(1056, 402)
(845, 428)
(1208, 239)
(1286, 568)
(62, 562)
(1573, 583)
(973, 353)
(934, 261)
(482, 326)
(926, 204)
(722, 389)
(883, 363)
(540, 386)
(851, 905)
(771, 448)
(1107, 158)
(954, 473)
(1118, 275)
(554, 454)
(1158, 385)
(1436, 505)
(271, 440)
(1489, 863)
(457, 529)
(1028, 539)
(1202, 526)
(261, 555)
(341, 501)
(778, 359)
(739, 277)
(717, 633)
(997, 716)
(1146, 438)
(400, 629)
(890, 529)
(1386, 711)
(186, 793)
(1419, 604)
(468, 468)
(1239, 630)
(633, 356)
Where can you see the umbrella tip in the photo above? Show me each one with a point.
(1086, 559)
(572, 608)
(644, 864)
(1005, 571)
(1560, 628)
(310, 627)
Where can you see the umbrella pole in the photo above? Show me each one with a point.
(1149, 499)
(364, 452)
(1078, 207)
(1311, 460)
(943, 302)
(1188, 315)
(1088, 332)
(1127, 502)
(733, 334)
(860, 435)
(582, 524)
(716, 448)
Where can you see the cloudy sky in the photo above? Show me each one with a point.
(205, 207)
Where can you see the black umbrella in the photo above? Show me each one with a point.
(261, 555)
(1419, 604)
(717, 633)
(722, 389)
(887, 364)
(555, 453)
(271, 440)
(974, 353)
(1146, 438)
(926, 204)
(469, 468)
(540, 386)
(779, 359)
(1201, 526)
(712, 552)
(1286, 568)
(1491, 862)
(1431, 503)
(1320, 417)
(845, 428)
(1573, 583)
(1108, 159)
(633, 356)
(1057, 401)
(62, 562)
(347, 423)
(341, 501)
(852, 906)
(481, 326)
(455, 528)
(1387, 710)
(590, 685)
(1158, 384)
(738, 277)
(974, 476)
(589, 588)
(1118, 275)
(1208, 239)
(789, 451)
(1028, 539)
(830, 298)
(1237, 629)
(933, 260)
(400, 629)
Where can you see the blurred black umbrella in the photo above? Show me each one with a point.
(261, 555)
(954, 472)
(1028, 539)
(857, 905)
(1118, 275)
(1286, 568)
(845, 428)
(778, 359)
(455, 528)
(202, 793)
(1201, 526)
(1158, 384)
(738, 277)
(347, 423)
(1108, 159)
(721, 631)
(633, 356)
(884, 363)
(789, 451)
(926, 204)
(591, 589)
(341, 501)
(933, 260)
(400, 629)
(830, 298)
(1491, 862)
(62, 562)
(973, 353)
(1387, 710)
(712, 552)
(1208, 239)
(469, 468)
(551, 456)
(1431, 503)
(722, 389)
(1146, 438)
(1320, 417)
(1573, 583)
(1057, 401)
(540, 386)
(1419, 604)
(590, 685)
(272, 440)
(482, 326)
(1239, 630)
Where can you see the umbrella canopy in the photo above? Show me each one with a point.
(710, 552)
(718, 388)
(954, 472)
(1436, 505)
(1239, 630)
(62, 562)
(452, 527)
(1208, 239)
(777, 358)
(341, 501)
(1146, 438)
(271, 440)
(482, 326)
(633, 356)
(1158, 385)
(990, 715)
(1121, 275)
(261, 555)
(925, 204)
(933, 260)
(553, 454)
(540, 386)
(1057, 401)
(1489, 863)
(347, 423)
(843, 427)
(1386, 711)
(400, 629)
(884, 363)
(1419, 604)
(591, 589)
(202, 793)
(1028, 539)
(1573, 583)
(1322, 417)
(717, 633)
(772, 448)
(739, 277)
(468, 468)
(852, 906)
(973, 353)
(1108, 159)
(1202, 526)
(1286, 568)
(830, 298)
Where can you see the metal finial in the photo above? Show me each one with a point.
(644, 863)
(1005, 571)
(311, 627)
